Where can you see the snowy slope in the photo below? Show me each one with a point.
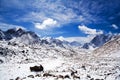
(61, 63)
(18, 58)
(98, 41)
(110, 49)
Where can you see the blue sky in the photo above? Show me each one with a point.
(78, 20)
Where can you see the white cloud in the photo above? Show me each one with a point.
(33, 17)
(62, 11)
(62, 17)
(78, 39)
(114, 26)
(55, 10)
(5, 26)
(89, 31)
(46, 24)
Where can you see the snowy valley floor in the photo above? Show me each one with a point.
(58, 63)
(88, 68)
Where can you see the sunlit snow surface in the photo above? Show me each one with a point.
(57, 61)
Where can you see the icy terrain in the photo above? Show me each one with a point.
(60, 62)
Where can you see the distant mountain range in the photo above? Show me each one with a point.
(15, 33)
(20, 35)
(28, 37)
(21, 49)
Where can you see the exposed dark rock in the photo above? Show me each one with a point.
(60, 76)
(38, 75)
(31, 76)
(73, 73)
(48, 74)
(23, 51)
(92, 79)
(1, 61)
(67, 76)
(99, 79)
(18, 78)
(83, 67)
(76, 77)
(88, 76)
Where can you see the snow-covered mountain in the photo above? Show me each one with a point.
(2, 35)
(17, 33)
(20, 50)
(30, 38)
(110, 48)
(62, 43)
(98, 41)
(75, 43)
(18, 42)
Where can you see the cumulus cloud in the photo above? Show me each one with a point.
(78, 39)
(46, 24)
(89, 31)
(114, 26)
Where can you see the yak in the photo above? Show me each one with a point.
(37, 68)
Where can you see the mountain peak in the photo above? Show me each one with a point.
(110, 48)
(98, 41)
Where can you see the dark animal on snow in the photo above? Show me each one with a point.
(37, 68)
